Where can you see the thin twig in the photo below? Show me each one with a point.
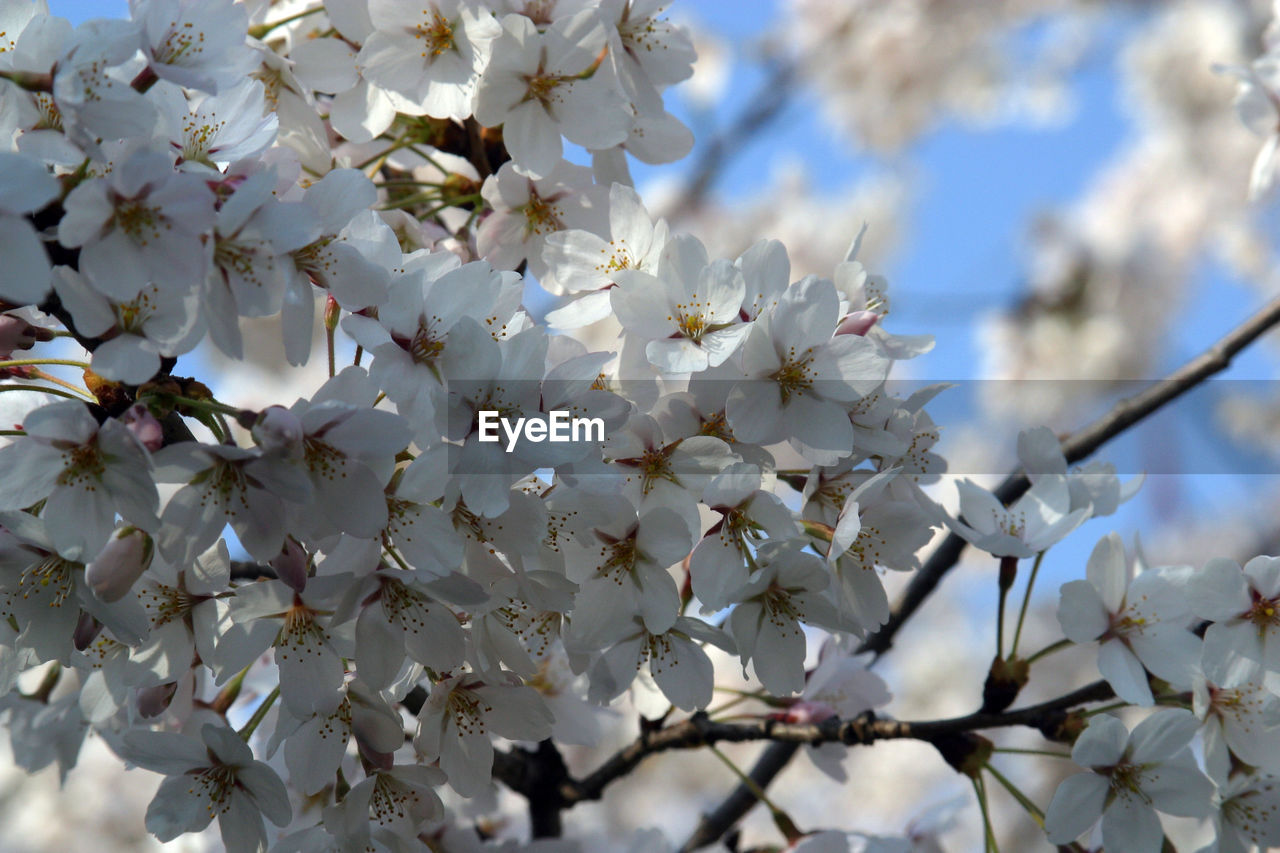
(1080, 444)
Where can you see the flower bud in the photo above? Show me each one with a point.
(858, 323)
(15, 333)
(154, 701)
(290, 565)
(119, 564)
(144, 427)
(278, 430)
(87, 630)
(332, 313)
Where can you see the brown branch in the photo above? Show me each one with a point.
(699, 730)
(1077, 446)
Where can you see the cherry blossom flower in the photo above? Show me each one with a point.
(799, 379)
(784, 592)
(1244, 607)
(432, 54)
(461, 713)
(84, 471)
(1133, 775)
(195, 43)
(1036, 520)
(214, 777)
(1141, 622)
(541, 85)
(143, 222)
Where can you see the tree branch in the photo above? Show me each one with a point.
(762, 108)
(699, 730)
(1077, 446)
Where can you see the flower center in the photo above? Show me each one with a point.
(436, 34)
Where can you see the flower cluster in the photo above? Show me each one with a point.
(404, 588)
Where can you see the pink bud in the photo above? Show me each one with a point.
(119, 564)
(144, 427)
(291, 565)
(153, 701)
(278, 430)
(15, 333)
(806, 711)
(858, 323)
(87, 629)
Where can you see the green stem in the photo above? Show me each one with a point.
(54, 391)
(205, 405)
(260, 713)
(1032, 809)
(33, 362)
(780, 818)
(49, 377)
(262, 29)
(989, 835)
(1014, 751)
(13, 432)
(1026, 600)
(399, 561)
(1050, 649)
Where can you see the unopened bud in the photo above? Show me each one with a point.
(290, 565)
(119, 564)
(153, 701)
(858, 323)
(144, 426)
(279, 430)
(332, 311)
(16, 333)
(87, 630)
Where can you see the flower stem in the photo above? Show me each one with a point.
(81, 393)
(988, 834)
(1050, 649)
(260, 713)
(780, 818)
(1032, 809)
(1009, 750)
(1026, 600)
(32, 362)
(40, 388)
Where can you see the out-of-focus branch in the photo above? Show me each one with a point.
(762, 108)
(1077, 446)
